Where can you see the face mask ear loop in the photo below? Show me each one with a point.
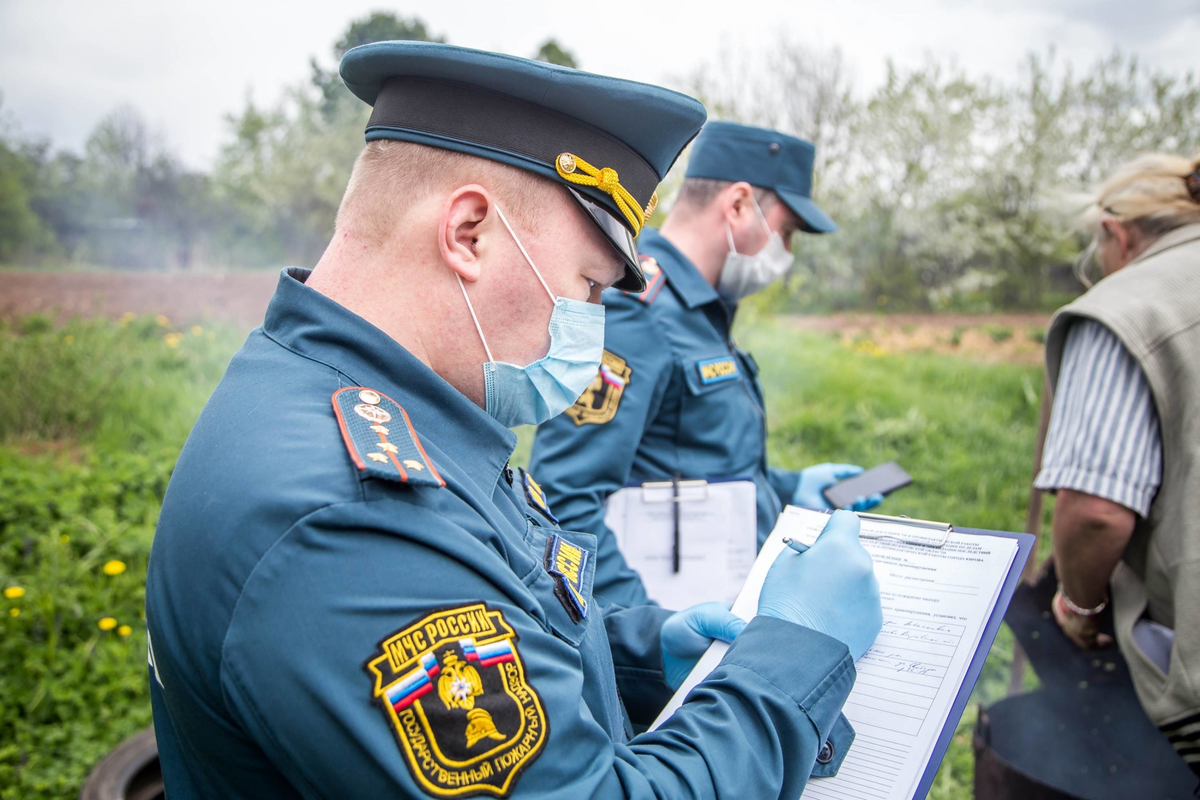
(474, 318)
(529, 260)
(761, 217)
(729, 236)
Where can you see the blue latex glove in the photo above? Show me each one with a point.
(830, 588)
(814, 480)
(688, 633)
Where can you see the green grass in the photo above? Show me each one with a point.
(93, 415)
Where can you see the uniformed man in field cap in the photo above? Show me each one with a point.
(676, 397)
(352, 594)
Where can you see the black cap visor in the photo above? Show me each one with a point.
(620, 238)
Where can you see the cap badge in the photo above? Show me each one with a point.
(574, 169)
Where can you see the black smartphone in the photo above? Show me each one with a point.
(883, 479)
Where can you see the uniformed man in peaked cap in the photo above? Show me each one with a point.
(352, 594)
(676, 397)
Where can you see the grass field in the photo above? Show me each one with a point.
(93, 414)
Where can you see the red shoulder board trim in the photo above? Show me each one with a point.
(381, 439)
(655, 280)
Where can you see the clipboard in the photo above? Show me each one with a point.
(927, 533)
(1025, 543)
(923, 532)
(690, 540)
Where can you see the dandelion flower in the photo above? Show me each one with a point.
(68, 339)
(162, 320)
(64, 538)
(197, 330)
(173, 339)
(114, 567)
(14, 612)
(14, 592)
(107, 624)
(124, 630)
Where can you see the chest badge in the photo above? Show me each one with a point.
(568, 564)
(599, 402)
(453, 688)
(716, 370)
(381, 439)
(535, 496)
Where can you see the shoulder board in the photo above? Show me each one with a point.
(655, 279)
(381, 439)
(535, 495)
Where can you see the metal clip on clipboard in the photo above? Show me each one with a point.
(940, 531)
(676, 486)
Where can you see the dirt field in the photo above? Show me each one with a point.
(240, 297)
(992, 337)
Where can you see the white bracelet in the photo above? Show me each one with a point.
(1079, 610)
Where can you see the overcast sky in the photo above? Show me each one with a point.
(185, 64)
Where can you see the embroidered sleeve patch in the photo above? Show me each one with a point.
(715, 370)
(567, 563)
(535, 495)
(598, 403)
(453, 688)
(381, 439)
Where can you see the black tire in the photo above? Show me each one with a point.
(130, 772)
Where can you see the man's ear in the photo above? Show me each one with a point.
(460, 229)
(737, 201)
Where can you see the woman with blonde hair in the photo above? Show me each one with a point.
(1123, 448)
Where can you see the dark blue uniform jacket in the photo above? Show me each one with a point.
(322, 630)
(691, 405)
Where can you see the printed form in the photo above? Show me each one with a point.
(936, 603)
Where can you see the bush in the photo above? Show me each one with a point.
(74, 542)
(93, 415)
(134, 382)
(998, 333)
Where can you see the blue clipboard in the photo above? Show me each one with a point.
(1025, 542)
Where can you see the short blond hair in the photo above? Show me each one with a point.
(388, 175)
(1150, 193)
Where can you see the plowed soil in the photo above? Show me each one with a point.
(240, 298)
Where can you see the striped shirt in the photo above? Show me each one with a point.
(1103, 438)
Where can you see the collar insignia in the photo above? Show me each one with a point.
(599, 401)
(453, 687)
(381, 439)
(535, 495)
(568, 564)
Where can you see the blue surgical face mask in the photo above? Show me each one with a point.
(532, 394)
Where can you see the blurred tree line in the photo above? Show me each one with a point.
(126, 201)
(952, 191)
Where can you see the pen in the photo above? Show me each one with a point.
(675, 520)
(796, 545)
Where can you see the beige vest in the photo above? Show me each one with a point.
(1153, 307)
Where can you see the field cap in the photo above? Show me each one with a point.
(609, 141)
(727, 151)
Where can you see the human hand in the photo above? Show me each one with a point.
(830, 588)
(688, 633)
(1083, 631)
(810, 491)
